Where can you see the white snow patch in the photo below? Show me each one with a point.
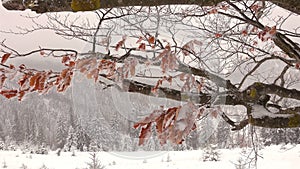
(273, 157)
(260, 111)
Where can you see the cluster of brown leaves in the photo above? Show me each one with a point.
(141, 41)
(160, 81)
(215, 9)
(191, 83)
(189, 48)
(256, 7)
(91, 67)
(267, 33)
(172, 124)
(30, 80)
(168, 59)
(127, 70)
(120, 43)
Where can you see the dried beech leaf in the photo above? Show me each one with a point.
(9, 93)
(142, 47)
(151, 39)
(5, 57)
(145, 134)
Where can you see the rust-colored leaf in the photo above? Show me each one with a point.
(120, 43)
(40, 83)
(255, 7)
(218, 35)
(272, 30)
(188, 48)
(23, 80)
(9, 93)
(21, 95)
(151, 39)
(140, 39)
(64, 80)
(33, 79)
(22, 67)
(213, 11)
(71, 64)
(142, 47)
(5, 57)
(65, 59)
(42, 53)
(244, 32)
(11, 66)
(2, 80)
(172, 124)
(145, 134)
(224, 7)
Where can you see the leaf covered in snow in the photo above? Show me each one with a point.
(172, 124)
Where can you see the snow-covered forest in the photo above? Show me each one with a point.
(54, 122)
(187, 82)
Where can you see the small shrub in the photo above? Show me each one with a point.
(210, 153)
(24, 166)
(240, 164)
(95, 163)
(168, 158)
(44, 167)
(4, 164)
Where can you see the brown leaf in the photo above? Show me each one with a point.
(72, 64)
(145, 134)
(142, 47)
(187, 48)
(9, 93)
(213, 11)
(214, 113)
(42, 53)
(120, 43)
(273, 30)
(140, 39)
(244, 32)
(64, 80)
(218, 35)
(23, 80)
(151, 39)
(21, 95)
(5, 57)
(2, 80)
(65, 59)
(22, 67)
(33, 79)
(151, 118)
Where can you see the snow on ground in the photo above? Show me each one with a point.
(272, 157)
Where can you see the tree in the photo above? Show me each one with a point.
(61, 132)
(227, 54)
(71, 141)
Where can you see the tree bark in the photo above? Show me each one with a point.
(43, 6)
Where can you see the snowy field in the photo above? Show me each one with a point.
(274, 157)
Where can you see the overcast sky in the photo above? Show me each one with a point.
(26, 43)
